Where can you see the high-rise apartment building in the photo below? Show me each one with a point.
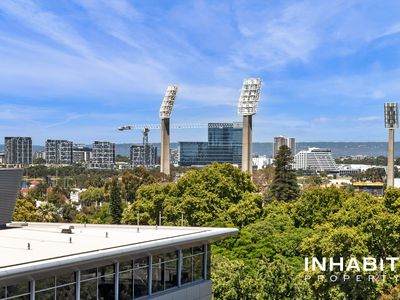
(81, 154)
(59, 152)
(143, 155)
(224, 146)
(103, 155)
(18, 150)
(315, 159)
(284, 141)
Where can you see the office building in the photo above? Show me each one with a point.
(284, 141)
(143, 155)
(193, 154)
(2, 159)
(315, 159)
(59, 152)
(18, 150)
(103, 155)
(224, 146)
(81, 154)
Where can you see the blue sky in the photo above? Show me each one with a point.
(77, 69)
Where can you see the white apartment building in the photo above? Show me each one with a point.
(315, 159)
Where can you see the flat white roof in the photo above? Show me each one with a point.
(49, 247)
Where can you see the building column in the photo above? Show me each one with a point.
(390, 166)
(150, 275)
(116, 280)
(205, 258)
(247, 145)
(32, 289)
(165, 147)
(78, 285)
(179, 267)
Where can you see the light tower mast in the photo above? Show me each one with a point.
(247, 107)
(165, 115)
(391, 122)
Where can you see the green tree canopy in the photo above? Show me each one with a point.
(284, 185)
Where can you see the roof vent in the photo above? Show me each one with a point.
(67, 229)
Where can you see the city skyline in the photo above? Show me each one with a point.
(79, 69)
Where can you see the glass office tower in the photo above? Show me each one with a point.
(224, 146)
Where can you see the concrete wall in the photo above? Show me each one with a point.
(199, 291)
(9, 185)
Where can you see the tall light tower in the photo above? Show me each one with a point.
(391, 122)
(247, 107)
(165, 115)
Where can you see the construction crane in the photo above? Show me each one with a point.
(176, 126)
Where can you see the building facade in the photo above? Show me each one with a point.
(18, 150)
(143, 155)
(81, 154)
(315, 159)
(284, 141)
(103, 155)
(224, 146)
(59, 152)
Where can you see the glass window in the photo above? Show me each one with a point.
(198, 267)
(106, 286)
(66, 292)
(158, 276)
(88, 274)
(46, 295)
(126, 285)
(186, 275)
(141, 262)
(141, 282)
(89, 290)
(65, 278)
(125, 265)
(18, 289)
(106, 270)
(45, 283)
(171, 274)
(2, 292)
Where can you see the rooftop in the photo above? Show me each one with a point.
(49, 245)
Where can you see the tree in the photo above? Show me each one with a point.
(130, 184)
(284, 185)
(47, 212)
(92, 196)
(25, 210)
(39, 161)
(115, 201)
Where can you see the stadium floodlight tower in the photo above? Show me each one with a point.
(165, 115)
(247, 107)
(391, 122)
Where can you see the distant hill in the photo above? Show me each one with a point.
(338, 148)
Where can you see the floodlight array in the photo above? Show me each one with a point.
(168, 102)
(250, 96)
(391, 115)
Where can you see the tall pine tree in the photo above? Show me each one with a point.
(115, 201)
(284, 185)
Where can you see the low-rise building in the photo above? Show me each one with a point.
(261, 162)
(373, 188)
